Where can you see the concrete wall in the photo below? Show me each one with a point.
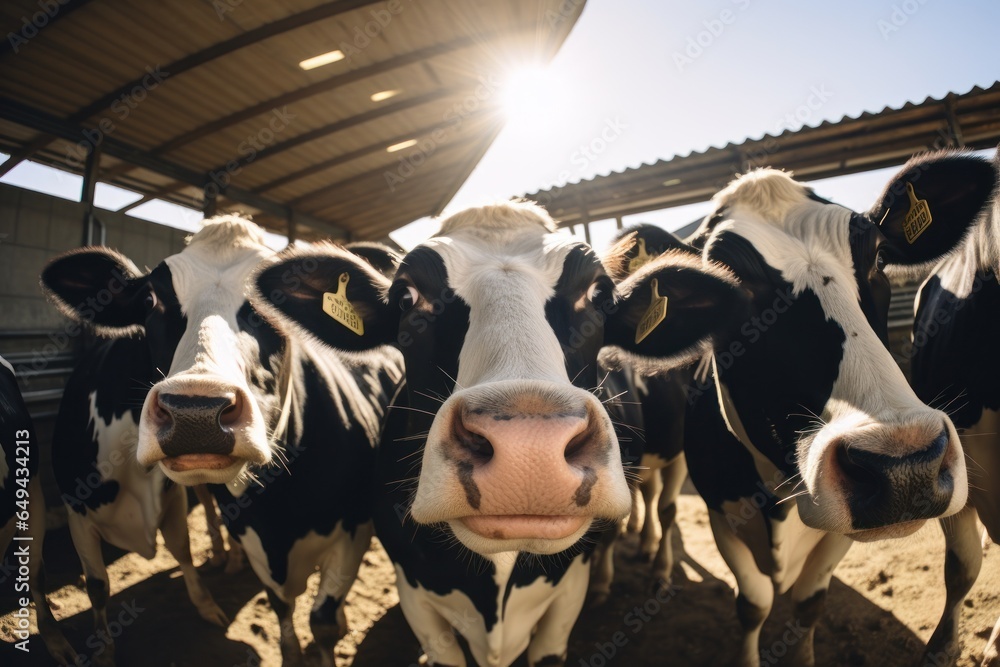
(35, 227)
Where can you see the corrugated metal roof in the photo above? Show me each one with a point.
(867, 141)
(183, 93)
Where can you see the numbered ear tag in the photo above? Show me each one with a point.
(655, 314)
(640, 260)
(918, 218)
(336, 305)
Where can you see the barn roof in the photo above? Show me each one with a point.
(871, 140)
(183, 93)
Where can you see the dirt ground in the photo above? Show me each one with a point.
(885, 600)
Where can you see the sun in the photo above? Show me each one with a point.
(532, 96)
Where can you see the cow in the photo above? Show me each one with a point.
(954, 365)
(829, 443)
(285, 436)
(658, 426)
(22, 519)
(499, 464)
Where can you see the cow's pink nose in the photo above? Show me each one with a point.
(529, 458)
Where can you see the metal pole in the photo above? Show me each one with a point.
(91, 172)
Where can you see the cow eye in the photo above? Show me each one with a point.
(409, 298)
(150, 300)
(879, 261)
(600, 290)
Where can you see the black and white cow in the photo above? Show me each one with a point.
(500, 320)
(661, 402)
(22, 514)
(955, 365)
(286, 436)
(108, 496)
(833, 445)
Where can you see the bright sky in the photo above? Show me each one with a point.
(635, 68)
(623, 64)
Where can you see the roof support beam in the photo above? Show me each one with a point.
(320, 87)
(338, 126)
(41, 121)
(22, 154)
(62, 10)
(91, 174)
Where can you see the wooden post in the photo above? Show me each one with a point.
(91, 172)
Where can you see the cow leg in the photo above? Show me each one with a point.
(433, 631)
(637, 516)
(327, 619)
(548, 645)
(962, 562)
(809, 597)
(87, 542)
(291, 650)
(175, 535)
(652, 532)
(673, 476)
(213, 524)
(604, 567)
(755, 591)
(52, 636)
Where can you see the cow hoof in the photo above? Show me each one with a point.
(212, 613)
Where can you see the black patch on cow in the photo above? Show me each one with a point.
(472, 495)
(955, 363)
(119, 373)
(165, 323)
(792, 358)
(582, 495)
(580, 333)
(874, 290)
(326, 479)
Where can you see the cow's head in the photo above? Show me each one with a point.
(216, 359)
(500, 320)
(808, 383)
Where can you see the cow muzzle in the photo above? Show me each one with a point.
(888, 480)
(521, 466)
(201, 430)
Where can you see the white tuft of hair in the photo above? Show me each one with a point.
(501, 216)
(768, 192)
(228, 231)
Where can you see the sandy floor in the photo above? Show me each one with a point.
(884, 603)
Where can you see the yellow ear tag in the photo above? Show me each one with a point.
(640, 260)
(918, 218)
(339, 308)
(655, 314)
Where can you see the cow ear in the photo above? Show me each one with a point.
(328, 293)
(927, 208)
(98, 287)
(673, 306)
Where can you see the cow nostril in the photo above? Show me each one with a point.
(576, 445)
(477, 445)
(865, 484)
(160, 412)
(232, 412)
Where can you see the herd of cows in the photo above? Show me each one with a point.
(494, 405)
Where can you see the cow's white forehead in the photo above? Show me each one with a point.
(806, 240)
(217, 262)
